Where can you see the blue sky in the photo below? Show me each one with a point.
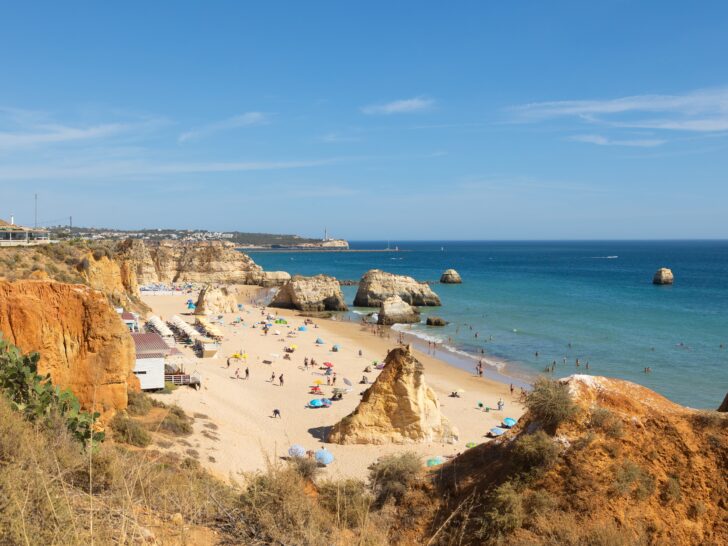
(396, 120)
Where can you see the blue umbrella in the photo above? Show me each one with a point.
(335, 348)
(324, 457)
(190, 305)
(435, 461)
(325, 402)
(319, 341)
(509, 422)
(302, 328)
(497, 431)
(315, 403)
(297, 451)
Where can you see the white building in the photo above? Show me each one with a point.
(151, 352)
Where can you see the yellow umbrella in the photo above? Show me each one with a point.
(294, 346)
(235, 355)
(317, 382)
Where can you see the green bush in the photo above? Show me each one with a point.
(305, 467)
(139, 403)
(176, 422)
(671, 491)
(349, 500)
(506, 512)
(391, 476)
(535, 451)
(631, 478)
(550, 402)
(129, 431)
(607, 422)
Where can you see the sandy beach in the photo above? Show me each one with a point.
(240, 434)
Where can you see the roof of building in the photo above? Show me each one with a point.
(150, 343)
(7, 227)
(126, 315)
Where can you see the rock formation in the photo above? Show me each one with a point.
(310, 294)
(269, 278)
(724, 406)
(662, 276)
(215, 301)
(105, 275)
(82, 342)
(394, 310)
(182, 261)
(436, 321)
(376, 286)
(450, 276)
(398, 408)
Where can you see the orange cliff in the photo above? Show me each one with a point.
(83, 344)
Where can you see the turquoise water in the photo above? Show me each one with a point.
(528, 297)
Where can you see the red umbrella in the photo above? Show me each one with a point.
(328, 364)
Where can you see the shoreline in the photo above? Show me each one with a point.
(246, 438)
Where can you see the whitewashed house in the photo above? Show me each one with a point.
(151, 353)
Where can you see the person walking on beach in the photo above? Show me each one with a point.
(273, 377)
(280, 380)
(277, 414)
(305, 363)
(501, 404)
(512, 389)
(247, 372)
(333, 380)
(237, 373)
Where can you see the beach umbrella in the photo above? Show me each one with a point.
(297, 451)
(470, 444)
(326, 402)
(461, 391)
(315, 403)
(324, 456)
(348, 382)
(190, 305)
(509, 422)
(276, 333)
(294, 346)
(302, 328)
(328, 365)
(434, 461)
(497, 431)
(319, 341)
(335, 348)
(317, 382)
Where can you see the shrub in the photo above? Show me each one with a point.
(391, 476)
(139, 403)
(535, 451)
(608, 422)
(307, 468)
(550, 402)
(176, 422)
(506, 512)
(630, 477)
(129, 431)
(348, 499)
(671, 491)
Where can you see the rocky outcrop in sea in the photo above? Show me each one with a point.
(450, 276)
(394, 310)
(310, 294)
(376, 286)
(663, 276)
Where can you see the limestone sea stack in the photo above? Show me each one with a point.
(215, 301)
(399, 408)
(376, 286)
(663, 276)
(310, 294)
(83, 344)
(436, 321)
(450, 276)
(394, 310)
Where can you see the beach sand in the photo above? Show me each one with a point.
(240, 434)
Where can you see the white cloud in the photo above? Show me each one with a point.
(132, 168)
(702, 110)
(243, 120)
(403, 106)
(50, 134)
(605, 141)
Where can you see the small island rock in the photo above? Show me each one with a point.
(451, 276)
(663, 276)
(376, 286)
(310, 294)
(395, 310)
(436, 321)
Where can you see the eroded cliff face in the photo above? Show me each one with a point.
(82, 342)
(105, 275)
(180, 261)
(398, 408)
(376, 286)
(214, 301)
(312, 294)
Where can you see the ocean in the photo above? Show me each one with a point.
(533, 303)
